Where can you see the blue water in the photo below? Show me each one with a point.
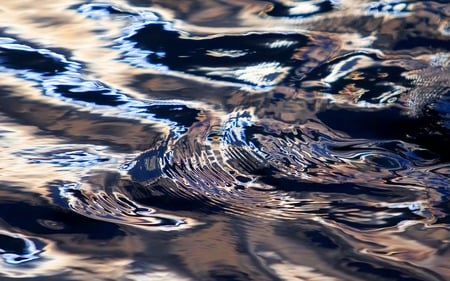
(224, 140)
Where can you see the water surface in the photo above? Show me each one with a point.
(224, 140)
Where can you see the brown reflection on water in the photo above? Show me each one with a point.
(207, 13)
(76, 248)
(210, 253)
(53, 25)
(33, 127)
(417, 246)
(288, 253)
(49, 115)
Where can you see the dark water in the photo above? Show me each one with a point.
(225, 140)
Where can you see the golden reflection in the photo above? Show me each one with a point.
(20, 138)
(353, 92)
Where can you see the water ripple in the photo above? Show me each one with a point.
(17, 249)
(212, 140)
(115, 207)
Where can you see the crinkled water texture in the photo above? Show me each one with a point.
(224, 140)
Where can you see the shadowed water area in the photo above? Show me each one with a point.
(225, 140)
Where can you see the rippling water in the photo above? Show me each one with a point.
(225, 140)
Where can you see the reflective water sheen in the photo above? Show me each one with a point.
(225, 140)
